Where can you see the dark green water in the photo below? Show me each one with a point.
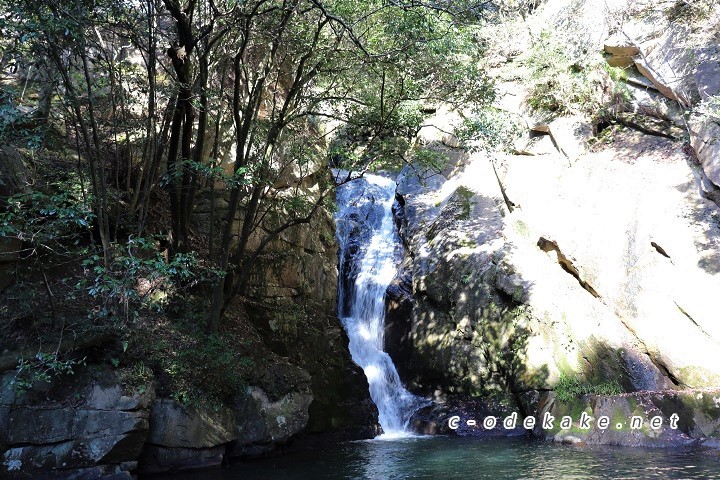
(446, 458)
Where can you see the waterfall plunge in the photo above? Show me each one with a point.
(370, 251)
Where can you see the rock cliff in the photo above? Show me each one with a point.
(573, 255)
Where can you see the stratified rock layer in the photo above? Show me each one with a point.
(87, 425)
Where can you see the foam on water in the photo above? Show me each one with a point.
(370, 251)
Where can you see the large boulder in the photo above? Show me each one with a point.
(83, 424)
(266, 414)
(183, 437)
(265, 420)
(176, 425)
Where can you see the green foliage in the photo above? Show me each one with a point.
(619, 76)
(211, 170)
(490, 128)
(424, 56)
(137, 377)
(135, 276)
(402, 121)
(569, 388)
(16, 123)
(212, 361)
(46, 221)
(44, 367)
(430, 159)
(563, 81)
(193, 366)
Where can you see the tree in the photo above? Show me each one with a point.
(296, 60)
(247, 81)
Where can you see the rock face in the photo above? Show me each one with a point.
(525, 269)
(185, 438)
(178, 426)
(296, 313)
(682, 61)
(675, 48)
(669, 48)
(679, 58)
(705, 141)
(87, 426)
(569, 261)
(589, 275)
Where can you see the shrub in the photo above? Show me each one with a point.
(47, 222)
(492, 128)
(192, 366)
(569, 388)
(565, 78)
(136, 276)
(42, 368)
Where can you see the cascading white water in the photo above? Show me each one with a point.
(370, 252)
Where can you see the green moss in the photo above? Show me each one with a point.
(619, 418)
(700, 403)
(709, 407)
(573, 408)
(698, 377)
(619, 77)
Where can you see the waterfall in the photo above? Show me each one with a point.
(370, 251)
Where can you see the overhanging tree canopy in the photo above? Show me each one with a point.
(166, 97)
